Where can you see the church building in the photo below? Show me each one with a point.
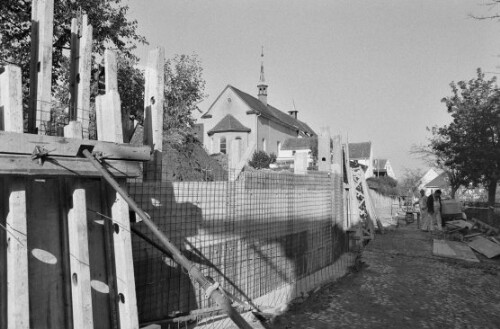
(236, 115)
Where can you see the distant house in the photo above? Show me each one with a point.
(297, 144)
(382, 167)
(430, 175)
(362, 153)
(236, 115)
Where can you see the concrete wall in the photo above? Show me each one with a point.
(258, 236)
(386, 208)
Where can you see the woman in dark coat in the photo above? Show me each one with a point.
(434, 207)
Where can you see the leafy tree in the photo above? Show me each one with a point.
(470, 144)
(411, 180)
(184, 90)
(433, 157)
(260, 160)
(111, 29)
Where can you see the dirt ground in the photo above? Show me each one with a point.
(402, 285)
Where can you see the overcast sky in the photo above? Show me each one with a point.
(370, 70)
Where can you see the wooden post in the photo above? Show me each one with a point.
(81, 293)
(17, 257)
(153, 111)
(108, 106)
(41, 68)
(83, 77)
(73, 70)
(338, 182)
(109, 116)
(324, 153)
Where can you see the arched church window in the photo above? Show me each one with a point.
(223, 145)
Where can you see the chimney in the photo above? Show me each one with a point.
(293, 114)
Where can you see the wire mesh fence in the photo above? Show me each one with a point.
(265, 237)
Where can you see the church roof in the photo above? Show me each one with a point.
(440, 181)
(359, 150)
(268, 111)
(379, 164)
(228, 124)
(272, 113)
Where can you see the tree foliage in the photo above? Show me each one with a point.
(184, 90)
(439, 160)
(111, 29)
(470, 144)
(411, 179)
(260, 160)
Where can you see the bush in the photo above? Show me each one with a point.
(384, 185)
(260, 160)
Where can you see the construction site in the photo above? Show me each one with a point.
(95, 234)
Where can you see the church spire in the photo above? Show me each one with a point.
(262, 86)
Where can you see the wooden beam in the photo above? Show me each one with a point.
(58, 166)
(154, 99)
(17, 257)
(83, 77)
(45, 19)
(73, 70)
(108, 106)
(33, 68)
(122, 240)
(24, 144)
(79, 260)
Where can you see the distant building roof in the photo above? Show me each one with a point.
(304, 143)
(228, 124)
(379, 164)
(270, 112)
(440, 181)
(359, 150)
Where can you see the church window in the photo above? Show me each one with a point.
(223, 147)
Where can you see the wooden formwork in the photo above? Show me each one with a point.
(65, 241)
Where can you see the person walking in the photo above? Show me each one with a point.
(434, 208)
(424, 216)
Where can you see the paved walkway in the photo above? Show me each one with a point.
(402, 285)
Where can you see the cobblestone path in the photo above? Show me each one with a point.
(402, 285)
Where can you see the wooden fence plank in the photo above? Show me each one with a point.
(110, 116)
(15, 223)
(83, 77)
(45, 18)
(153, 112)
(79, 248)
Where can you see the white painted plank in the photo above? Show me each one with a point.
(81, 293)
(17, 257)
(110, 117)
(85, 53)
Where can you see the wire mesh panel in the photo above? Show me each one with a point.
(263, 237)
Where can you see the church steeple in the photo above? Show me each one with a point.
(262, 86)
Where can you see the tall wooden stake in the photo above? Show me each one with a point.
(17, 246)
(81, 60)
(153, 111)
(41, 66)
(109, 128)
